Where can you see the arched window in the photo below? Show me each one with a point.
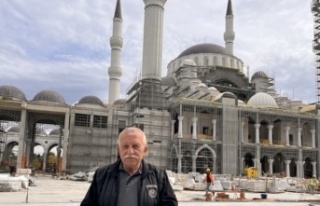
(231, 63)
(224, 61)
(196, 60)
(215, 61)
(206, 61)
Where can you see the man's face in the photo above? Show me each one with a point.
(131, 149)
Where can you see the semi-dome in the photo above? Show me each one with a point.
(120, 102)
(212, 89)
(54, 132)
(12, 92)
(227, 95)
(14, 129)
(259, 74)
(201, 86)
(49, 96)
(262, 99)
(91, 100)
(168, 81)
(188, 62)
(204, 48)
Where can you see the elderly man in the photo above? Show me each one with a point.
(130, 180)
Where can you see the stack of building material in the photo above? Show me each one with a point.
(256, 186)
(12, 184)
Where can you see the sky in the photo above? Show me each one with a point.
(64, 45)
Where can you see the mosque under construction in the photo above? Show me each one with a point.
(206, 112)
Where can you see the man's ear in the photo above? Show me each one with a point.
(146, 149)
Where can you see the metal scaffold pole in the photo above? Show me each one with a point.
(315, 7)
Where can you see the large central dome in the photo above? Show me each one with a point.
(204, 48)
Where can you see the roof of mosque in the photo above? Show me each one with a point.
(259, 74)
(12, 92)
(49, 96)
(91, 100)
(262, 99)
(204, 48)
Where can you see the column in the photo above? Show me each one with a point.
(314, 169)
(287, 167)
(21, 146)
(257, 126)
(65, 141)
(313, 139)
(44, 163)
(299, 136)
(194, 127)
(303, 162)
(241, 166)
(27, 153)
(172, 128)
(298, 163)
(287, 128)
(270, 127)
(193, 163)
(254, 162)
(242, 132)
(179, 156)
(270, 161)
(179, 163)
(180, 118)
(214, 128)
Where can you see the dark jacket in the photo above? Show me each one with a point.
(104, 189)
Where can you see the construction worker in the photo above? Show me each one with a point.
(312, 184)
(209, 180)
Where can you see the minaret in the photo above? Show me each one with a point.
(148, 92)
(229, 33)
(116, 41)
(152, 39)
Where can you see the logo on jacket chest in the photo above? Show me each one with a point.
(152, 190)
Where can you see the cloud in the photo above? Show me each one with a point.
(64, 45)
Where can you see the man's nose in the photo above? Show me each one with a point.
(131, 150)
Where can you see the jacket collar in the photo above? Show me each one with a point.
(114, 170)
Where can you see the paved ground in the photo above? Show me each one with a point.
(52, 192)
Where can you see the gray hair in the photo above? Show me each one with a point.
(129, 130)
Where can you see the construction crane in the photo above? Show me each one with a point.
(315, 8)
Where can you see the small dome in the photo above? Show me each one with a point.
(212, 89)
(91, 100)
(204, 48)
(49, 96)
(14, 129)
(120, 102)
(188, 62)
(262, 99)
(258, 75)
(226, 94)
(168, 81)
(12, 92)
(201, 86)
(40, 131)
(240, 102)
(54, 132)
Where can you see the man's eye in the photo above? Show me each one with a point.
(136, 146)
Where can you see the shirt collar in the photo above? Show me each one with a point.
(137, 172)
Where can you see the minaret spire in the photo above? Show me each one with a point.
(229, 33)
(115, 70)
(117, 13)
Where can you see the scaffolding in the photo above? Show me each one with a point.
(315, 8)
